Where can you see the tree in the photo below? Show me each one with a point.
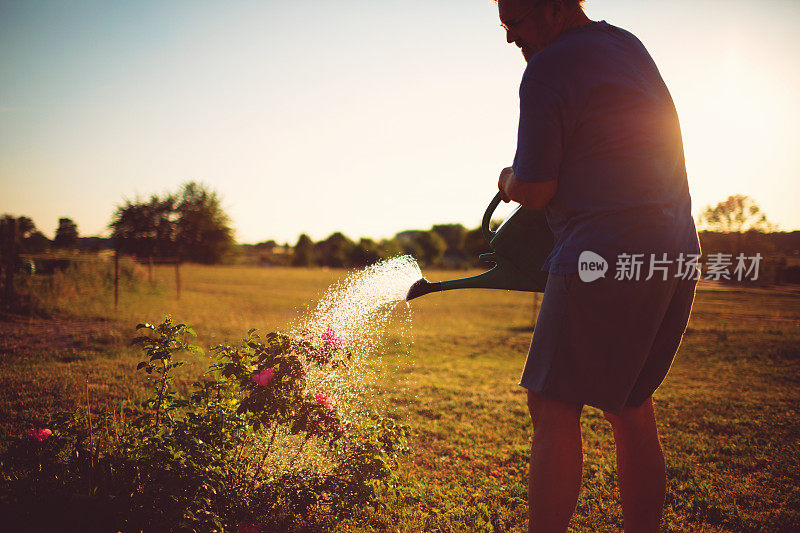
(304, 254)
(366, 252)
(66, 234)
(428, 247)
(453, 235)
(31, 240)
(5, 231)
(203, 233)
(389, 248)
(335, 251)
(739, 225)
(266, 246)
(25, 227)
(35, 243)
(190, 224)
(737, 214)
(475, 244)
(146, 229)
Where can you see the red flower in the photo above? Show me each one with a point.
(324, 401)
(39, 435)
(264, 377)
(332, 339)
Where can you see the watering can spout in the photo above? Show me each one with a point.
(502, 276)
(519, 248)
(422, 287)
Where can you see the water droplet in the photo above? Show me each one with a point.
(352, 318)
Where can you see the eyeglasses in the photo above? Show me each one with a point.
(509, 26)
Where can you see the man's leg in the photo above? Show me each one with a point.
(554, 478)
(640, 467)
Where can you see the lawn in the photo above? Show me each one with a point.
(728, 411)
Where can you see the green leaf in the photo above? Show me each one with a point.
(144, 339)
(195, 350)
(141, 365)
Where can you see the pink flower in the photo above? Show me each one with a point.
(264, 377)
(324, 401)
(332, 339)
(39, 435)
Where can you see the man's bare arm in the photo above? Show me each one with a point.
(531, 195)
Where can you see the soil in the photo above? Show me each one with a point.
(66, 339)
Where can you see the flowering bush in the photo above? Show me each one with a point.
(39, 435)
(251, 448)
(332, 339)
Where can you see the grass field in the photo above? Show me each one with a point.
(729, 411)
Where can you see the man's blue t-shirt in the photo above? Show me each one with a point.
(596, 115)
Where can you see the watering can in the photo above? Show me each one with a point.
(519, 247)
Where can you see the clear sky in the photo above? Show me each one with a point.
(362, 116)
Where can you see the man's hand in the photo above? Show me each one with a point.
(529, 194)
(505, 176)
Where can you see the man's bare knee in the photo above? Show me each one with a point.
(632, 416)
(543, 409)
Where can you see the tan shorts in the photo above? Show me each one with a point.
(606, 343)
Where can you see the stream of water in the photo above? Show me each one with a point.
(354, 316)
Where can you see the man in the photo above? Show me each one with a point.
(599, 147)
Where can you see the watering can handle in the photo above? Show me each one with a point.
(487, 217)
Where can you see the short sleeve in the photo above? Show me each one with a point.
(540, 135)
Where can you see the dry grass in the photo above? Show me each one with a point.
(728, 411)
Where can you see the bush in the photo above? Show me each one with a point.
(218, 459)
(85, 282)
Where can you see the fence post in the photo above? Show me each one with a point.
(10, 260)
(178, 277)
(116, 279)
